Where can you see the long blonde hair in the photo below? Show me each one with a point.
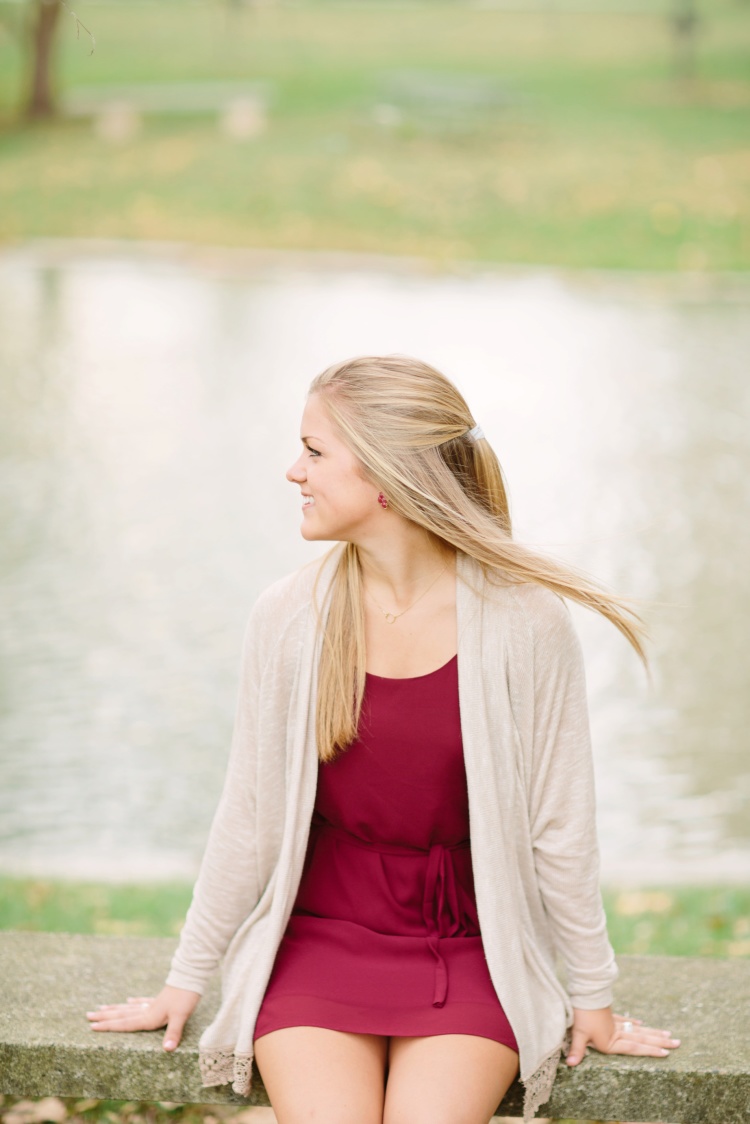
(409, 427)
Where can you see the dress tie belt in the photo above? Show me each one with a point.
(441, 910)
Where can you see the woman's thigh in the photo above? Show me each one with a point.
(446, 1079)
(328, 1076)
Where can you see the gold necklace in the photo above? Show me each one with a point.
(392, 617)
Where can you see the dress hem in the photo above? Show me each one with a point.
(419, 1022)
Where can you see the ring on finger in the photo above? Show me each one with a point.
(627, 1027)
(144, 1004)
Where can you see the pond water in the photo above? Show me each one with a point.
(150, 406)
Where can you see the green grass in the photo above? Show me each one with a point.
(41, 905)
(600, 157)
(681, 921)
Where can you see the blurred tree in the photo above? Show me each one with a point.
(44, 21)
(684, 21)
(42, 28)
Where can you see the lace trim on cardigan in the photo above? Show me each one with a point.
(538, 1088)
(223, 1067)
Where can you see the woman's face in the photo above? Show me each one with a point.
(338, 503)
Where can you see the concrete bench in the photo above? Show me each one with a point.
(442, 101)
(241, 108)
(48, 980)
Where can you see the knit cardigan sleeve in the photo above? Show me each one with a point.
(228, 886)
(562, 810)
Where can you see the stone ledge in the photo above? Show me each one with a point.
(49, 980)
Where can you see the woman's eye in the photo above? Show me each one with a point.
(313, 452)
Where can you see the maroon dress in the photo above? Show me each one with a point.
(384, 936)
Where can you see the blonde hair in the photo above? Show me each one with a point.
(409, 427)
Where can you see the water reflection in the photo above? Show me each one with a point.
(150, 408)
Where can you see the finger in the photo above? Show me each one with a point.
(175, 1027)
(648, 1034)
(639, 1049)
(642, 1040)
(106, 1010)
(655, 1030)
(141, 1021)
(578, 1044)
(122, 1023)
(657, 1040)
(110, 1009)
(127, 1019)
(627, 1019)
(116, 1006)
(140, 999)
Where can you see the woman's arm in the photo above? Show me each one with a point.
(227, 888)
(563, 828)
(562, 811)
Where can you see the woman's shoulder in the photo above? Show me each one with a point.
(291, 596)
(542, 624)
(539, 605)
(529, 611)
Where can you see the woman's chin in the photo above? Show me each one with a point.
(307, 531)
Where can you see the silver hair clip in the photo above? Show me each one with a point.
(476, 433)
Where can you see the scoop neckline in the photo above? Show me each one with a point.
(410, 678)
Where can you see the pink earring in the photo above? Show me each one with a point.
(382, 500)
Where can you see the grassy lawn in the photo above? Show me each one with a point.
(596, 155)
(679, 921)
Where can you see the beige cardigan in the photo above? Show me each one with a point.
(524, 723)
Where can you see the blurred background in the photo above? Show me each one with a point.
(202, 204)
(592, 133)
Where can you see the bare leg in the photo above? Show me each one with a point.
(447, 1079)
(329, 1076)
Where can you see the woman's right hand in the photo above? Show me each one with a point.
(172, 1008)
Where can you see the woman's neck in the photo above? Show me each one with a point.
(399, 567)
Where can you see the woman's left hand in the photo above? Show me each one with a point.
(616, 1034)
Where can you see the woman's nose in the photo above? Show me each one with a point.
(296, 473)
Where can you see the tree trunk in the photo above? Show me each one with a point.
(41, 101)
(685, 27)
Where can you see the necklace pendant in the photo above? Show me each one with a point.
(390, 618)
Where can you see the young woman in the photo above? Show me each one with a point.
(405, 841)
